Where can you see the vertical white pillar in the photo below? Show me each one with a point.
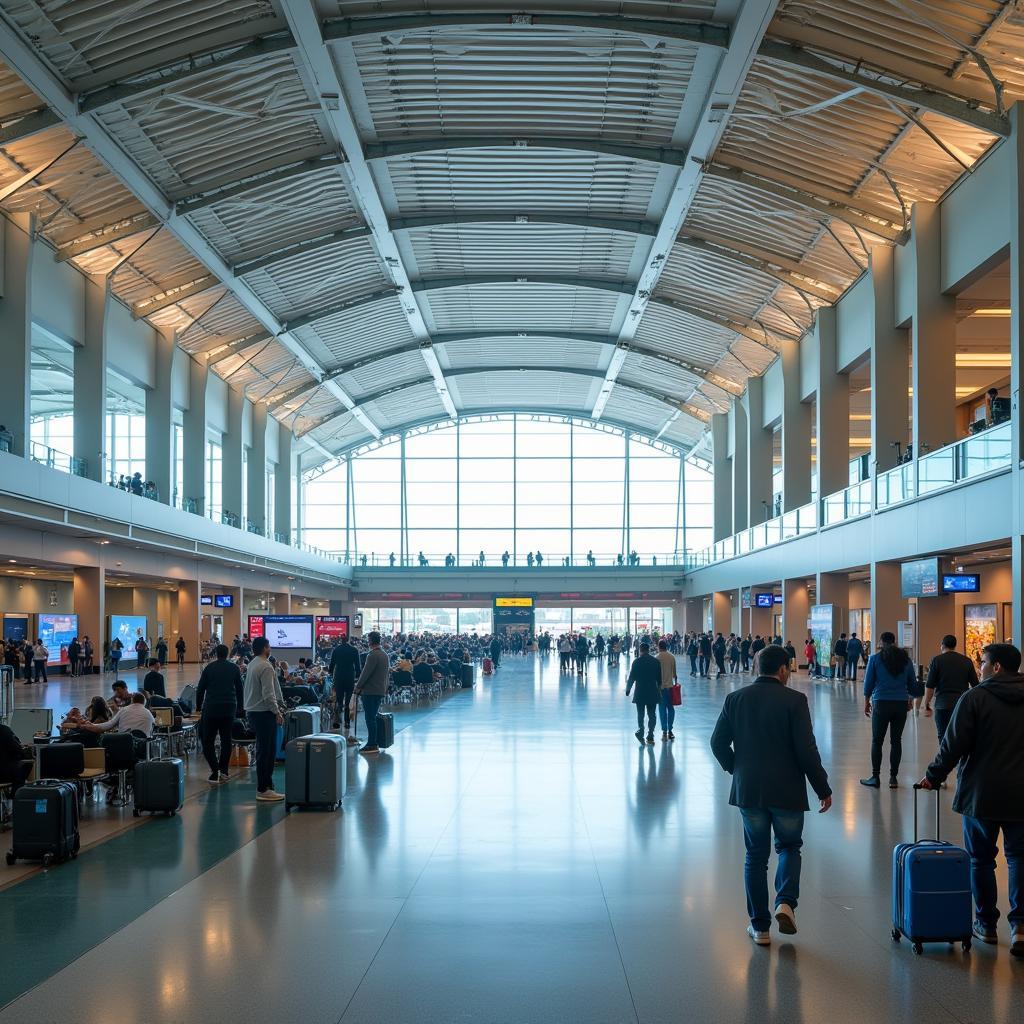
(195, 434)
(722, 475)
(284, 479)
(832, 409)
(257, 473)
(740, 517)
(90, 392)
(231, 453)
(159, 418)
(890, 355)
(796, 433)
(759, 454)
(16, 330)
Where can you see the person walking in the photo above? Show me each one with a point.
(704, 649)
(765, 741)
(645, 675)
(219, 700)
(344, 668)
(161, 652)
(854, 652)
(179, 650)
(372, 686)
(985, 737)
(116, 650)
(669, 678)
(496, 650)
(888, 682)
(264, 711)
(950, 676)
(839, 653)
(718, 650)
(692, 650)
(74, 654)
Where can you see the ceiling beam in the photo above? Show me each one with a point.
(288, 168)
(376, 396)
(745, 329)
(748, 29)
(340, 307)
(25, 61)
(18, 127)
(174, 292)
(303, 19)
(304, 247)
(449, 143)
(628, 225)
(233, 345)
(864, 217)
(433, 284)
(107, 234)
(703, 33)
(183, 72)
(937, 102)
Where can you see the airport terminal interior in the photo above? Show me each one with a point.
(520, 342)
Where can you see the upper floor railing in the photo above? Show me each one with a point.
(47, 456)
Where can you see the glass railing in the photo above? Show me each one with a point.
(253, 527)
(982, 453)
(848, 503)
(894, 485)
(229, 518)
(555, 560)
(281, 538)
(54, 459)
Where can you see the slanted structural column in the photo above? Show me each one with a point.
(796, 433)
(1016, 206)
(90, 391)
(159, 418)
(16, 329)
(722, 475)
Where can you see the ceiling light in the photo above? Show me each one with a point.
(13, 561)
(982, 359)
(992, 311)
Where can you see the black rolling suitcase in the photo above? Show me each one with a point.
(467, 676)
(385, 729)
(45, 822)
(159, 786)
(315, 771)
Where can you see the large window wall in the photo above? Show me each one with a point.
(515, 483)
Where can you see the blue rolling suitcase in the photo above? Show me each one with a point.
(931, 890)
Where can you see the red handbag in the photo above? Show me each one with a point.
(676, 694)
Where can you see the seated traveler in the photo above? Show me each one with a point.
(136, 717)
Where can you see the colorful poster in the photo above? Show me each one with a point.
(821, 633)
(56, 632)
(331, 629)
(979, 629)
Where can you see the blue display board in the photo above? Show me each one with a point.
(16, 628)
(56, 632)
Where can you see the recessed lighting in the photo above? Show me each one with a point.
(13, 561)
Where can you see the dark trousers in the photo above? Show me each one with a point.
(264, 725)
(720, 664)
(342, 700)
(371, 705)
(887, 716)
(942, 717)
(73, 666)
(693, 664)
(980, 838)
(705, 664)
(40, 667)
(651, 710)
(213, 726)
(496, 657)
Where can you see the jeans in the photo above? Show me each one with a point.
(851, 668)
(980, 837)
(666, 711)
(212, 727)
(705, 664)
(887, 716)
(640, 708)
(371, 705)
(942, 717)
(758, 824)
(693, 664)
(264, 725)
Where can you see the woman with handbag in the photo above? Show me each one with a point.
(669, 691)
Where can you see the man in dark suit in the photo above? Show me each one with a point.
(344, 669)
(764, 739)
(645, 675)
(950, 676)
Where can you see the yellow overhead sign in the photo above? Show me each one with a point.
(513, 602)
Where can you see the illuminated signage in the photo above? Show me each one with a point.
(513, 602)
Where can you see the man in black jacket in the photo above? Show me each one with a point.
(219, 699)
(950, 676)
(344, 669)
(764, 739)
(645, 675)
(985, 737)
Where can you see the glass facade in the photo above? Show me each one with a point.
(126, 445)
(515, 483)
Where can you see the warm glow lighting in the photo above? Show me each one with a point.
(992, 311)
(982, 359)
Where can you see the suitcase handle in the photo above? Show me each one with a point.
(938, 838)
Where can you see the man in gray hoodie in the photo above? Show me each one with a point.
(985, 737)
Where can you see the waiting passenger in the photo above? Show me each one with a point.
(219, 700)
(15, 760)
(153, 681)
(120, 697)
(136, 717)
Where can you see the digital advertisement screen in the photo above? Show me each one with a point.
(920, 578)
(56, 632)
(765, 600)
(127, 629)
(331, 628)
(961, 583)
(224, 600)
(16, 627)
(776, 599)
(285, 632)
(206, 599)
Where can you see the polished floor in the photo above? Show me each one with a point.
(515, 857)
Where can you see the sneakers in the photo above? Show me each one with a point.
(871, 781)
(270, 796)
(664, 737)
(671, 735)
(369, 750)
(758, 938)
(213, 778)
(650, 737)
(1017, 941)
(988, 934)
(894, 783)
(639, 734)
(785, 918)
(224, 777)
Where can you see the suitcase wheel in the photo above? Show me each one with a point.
(895, 934)
(47, 860)
(135, 812)
(918, 948)
(10, 858)
(966, 945)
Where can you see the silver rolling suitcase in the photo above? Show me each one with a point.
(315, 771)
(301, 721)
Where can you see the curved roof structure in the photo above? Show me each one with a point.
(374, 214)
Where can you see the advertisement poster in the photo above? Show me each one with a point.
(821, 632)
(255, 626)
(285, 632)
(979, 629)
(127, 629)
(331, 629)
(56, 632)
(16, 628)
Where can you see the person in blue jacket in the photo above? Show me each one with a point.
(888, 682)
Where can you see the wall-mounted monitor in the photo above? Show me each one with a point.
(331, 629)
(961, 583)
(764, 600)
(920, 578)
(776, 599)
(16, 628)
(128, 629)
(285, 632)
(206, 599)
(224, 600)
(56, 632)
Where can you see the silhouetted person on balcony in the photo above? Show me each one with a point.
(504, 559)
(482, 560)
(540, 559)
(529, 559)
(422, 560)
(590, 558)
(391, 560)
(618, 560)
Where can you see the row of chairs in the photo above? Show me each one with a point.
(403, 689)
